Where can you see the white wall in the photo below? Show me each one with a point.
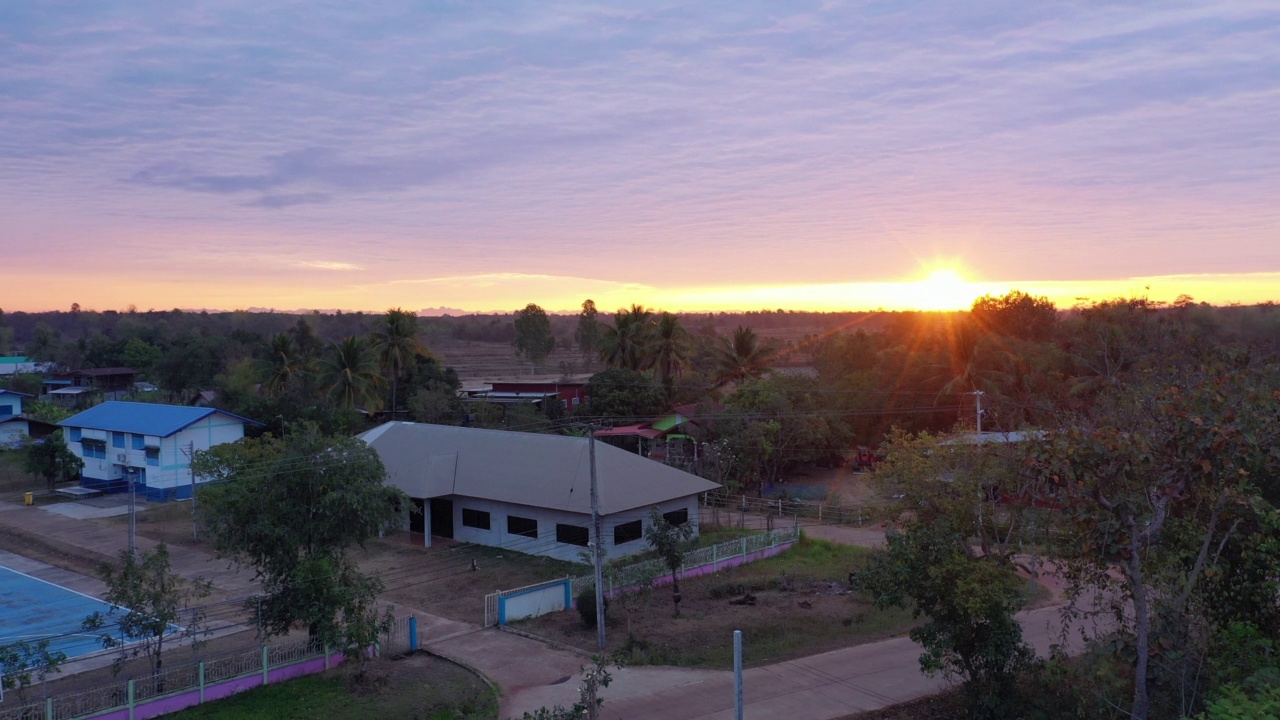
(546, 544)
(13, 433)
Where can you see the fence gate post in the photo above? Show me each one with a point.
(744, 547)
(715, 556)
(413, 634)
(200, 672)
(265, 667)
(48, 708)
(130, 691)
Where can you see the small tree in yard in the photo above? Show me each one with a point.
(150, 606)
(291, 509)
(589, 701)
(670, 542)
(25, 663)
(970, 602)
(51, 459)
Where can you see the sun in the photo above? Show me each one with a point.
(943, 289)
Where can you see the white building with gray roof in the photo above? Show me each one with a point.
(526, 491)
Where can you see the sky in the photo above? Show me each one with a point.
(452, 157)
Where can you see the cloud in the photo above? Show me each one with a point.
(325, 265)
(661, 146)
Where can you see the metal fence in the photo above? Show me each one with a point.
(120, 694)
(645, 573)
(856, 514)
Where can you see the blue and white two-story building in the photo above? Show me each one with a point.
(148, 444)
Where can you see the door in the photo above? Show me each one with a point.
(442, 517)
(418, 516)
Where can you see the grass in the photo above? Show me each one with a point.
(427, 689)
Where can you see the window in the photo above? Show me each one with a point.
(475, 518)
(93, 448)
(117, 440)
(677, 517)
(528, 527)
(75, 434)
(153, 456)
(139, 442)
(572, 535)
(627, 532)
(6, 410)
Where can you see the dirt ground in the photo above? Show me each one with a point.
(802, 606)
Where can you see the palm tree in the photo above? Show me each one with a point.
(349, 373)
(623, 345)
(395, 342)
(668, 351)
(282, 364)
(744, 357)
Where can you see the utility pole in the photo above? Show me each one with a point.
(737, 674)
(190, 451)
(597, 532)
(977, 398)
(133, 511)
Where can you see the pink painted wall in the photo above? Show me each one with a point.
(216, 691)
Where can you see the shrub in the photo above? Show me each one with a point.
(586, 604)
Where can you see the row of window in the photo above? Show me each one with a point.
(91, 448)
(119, 440)
(568, 534)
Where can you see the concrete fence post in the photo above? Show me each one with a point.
(48, 708)
(265, 667)
(325, 648)
(200, 676)
(715, 556)
(130, 696)
(819, 512)
(744, 547)
(413, 634)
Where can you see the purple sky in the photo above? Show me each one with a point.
(482, 155)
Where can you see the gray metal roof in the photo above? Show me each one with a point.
(548, 471)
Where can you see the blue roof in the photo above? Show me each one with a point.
(143, 418)
(14, 392)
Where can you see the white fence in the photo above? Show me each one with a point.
(856, 515)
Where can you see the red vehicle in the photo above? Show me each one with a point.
(864, 459)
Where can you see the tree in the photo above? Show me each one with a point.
(24, 663)
(281, 364)
(587, 334)
(621, 393)
(395, 341)
(349, 374)
(291, 508)
(969, 602)
(743, 357)
(623, 345)
(1016, 314)
(670, 543)
(150, 605)
(140, 355)
(534, 341)
(668, 350)
(51, 459)
(1158, 488)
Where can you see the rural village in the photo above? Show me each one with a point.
(1017, 510)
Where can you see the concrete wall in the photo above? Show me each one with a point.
(545, 543)
(537, 601)
(13, 433)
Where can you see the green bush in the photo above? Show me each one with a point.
(586, 604)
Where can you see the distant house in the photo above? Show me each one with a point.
(672, 437)
(528, 492)
(13, 426)
(16, 364)
(148, 443)
(569, 392)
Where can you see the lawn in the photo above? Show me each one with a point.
(417, 686)
(802, 607)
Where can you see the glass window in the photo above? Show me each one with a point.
(528, 527)
(153, 456)
(139, 442)
(117, 440)
(572, 535)
(677, 517)
(75, 434)
(627, 532)
(475, 518)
